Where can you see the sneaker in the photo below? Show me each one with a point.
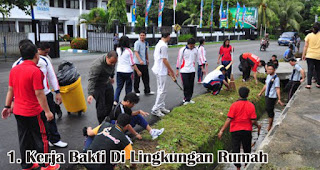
(151, 93)
(186, 103)
(115, 103)
(155, 133)
(164, 110)
(157, 113)
(138, 94)
(50, 144)
(55, 167)
(60, 144)
(34, 166)
(192, 102)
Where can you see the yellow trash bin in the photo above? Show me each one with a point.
(73, 97)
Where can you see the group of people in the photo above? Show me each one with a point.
(34, 104)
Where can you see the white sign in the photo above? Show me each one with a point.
(43, 5)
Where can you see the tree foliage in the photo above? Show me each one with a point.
(116, 11)
(7, 5)
(95, 16)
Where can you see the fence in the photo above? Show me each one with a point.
(9, 42)
(100, 42)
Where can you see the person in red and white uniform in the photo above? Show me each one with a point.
(203, 59)
(187, 58)
(248, 62)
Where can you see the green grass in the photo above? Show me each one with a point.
(195, 127)
(65, 48)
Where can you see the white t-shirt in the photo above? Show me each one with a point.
(160, 52)
(202, 54)
(214, 75)
(187, 59)
(46, 67)
(125, 60)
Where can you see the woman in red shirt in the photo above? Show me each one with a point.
(225, 55)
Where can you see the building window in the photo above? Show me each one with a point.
(51, 3)
(91, 4)
(7, 26)
(128, 8)
(60, 3)
(56, 3)
(25, 27)
(60, 28)
(74, 4)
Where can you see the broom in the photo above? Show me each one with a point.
(232, 84)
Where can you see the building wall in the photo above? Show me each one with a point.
(67, 16)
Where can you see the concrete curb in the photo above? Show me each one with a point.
(269, 136)
(75, 51)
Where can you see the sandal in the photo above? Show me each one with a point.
(308, 87)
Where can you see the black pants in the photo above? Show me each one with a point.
(246, 68)
(228, 72)
(145, 78)
(188, 84)
(53, 134)
(270, 103)
(291, 88)
(313, 64)
(32, 135)
(104, 101)
(241, 137)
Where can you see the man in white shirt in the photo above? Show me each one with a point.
(161, 69)
(187, 58)
(49, 77)
(215, 80)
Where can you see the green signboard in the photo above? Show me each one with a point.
(250, 19)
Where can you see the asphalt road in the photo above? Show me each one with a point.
(70, 127)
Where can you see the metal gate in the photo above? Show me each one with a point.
(100, 41)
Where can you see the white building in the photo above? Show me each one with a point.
(67, 11)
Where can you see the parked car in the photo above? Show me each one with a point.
(286, 38)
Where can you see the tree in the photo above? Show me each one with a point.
(116, 11)
(315, 10)
(289, 15)
(95, 16)
(265, 11)
(7, 5)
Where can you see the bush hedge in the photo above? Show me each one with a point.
(194, 127)
(184, 37)
(79, 43)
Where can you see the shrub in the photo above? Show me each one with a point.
(184, 37)
(66, 37)
(79, 43)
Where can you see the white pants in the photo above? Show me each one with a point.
(161, 92)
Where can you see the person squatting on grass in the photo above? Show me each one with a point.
(215, 80)
(272, 91)
(241, 117)
(50, 77)
(101, 78)
(107, 137)
(125, 107)
(187, 57)
(161, 68)
(248, 62)
(125, 68)
(297, 77)
(202, 55)
(31, 108)
(141, 47)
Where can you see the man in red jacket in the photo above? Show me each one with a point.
(248, 62)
